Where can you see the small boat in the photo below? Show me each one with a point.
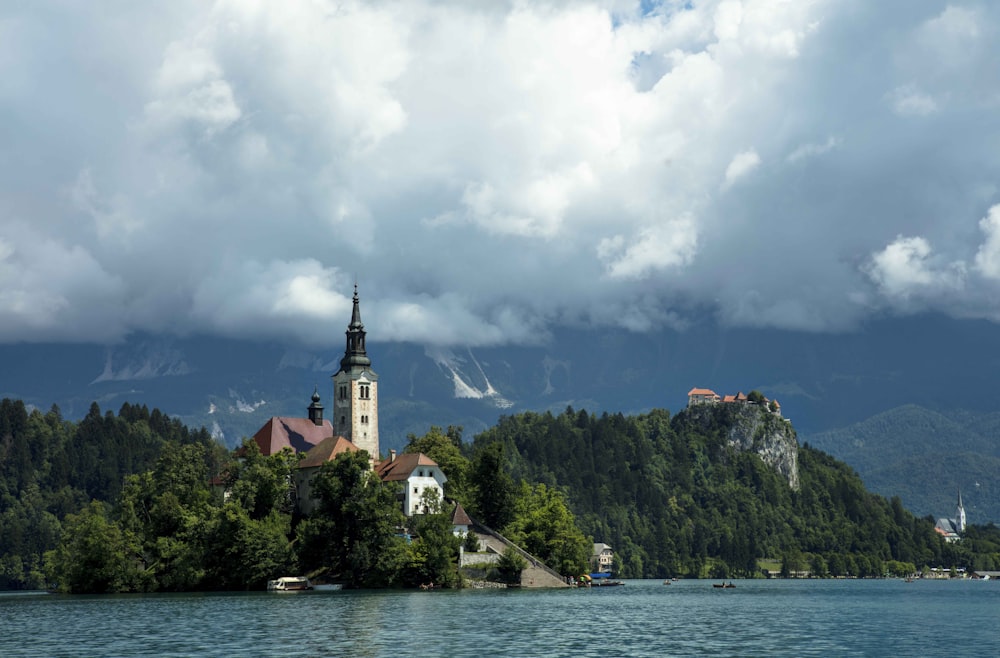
(723, 585)
(666, 582)
(289, 584)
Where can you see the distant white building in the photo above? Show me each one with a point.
(602, 558)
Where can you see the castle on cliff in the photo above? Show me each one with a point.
(708, 396)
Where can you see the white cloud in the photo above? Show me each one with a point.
(741, 165)
(988, 257)
(232, 167)
(812, 150)
(190, 87)
(906, 269)
(49, 286)
(669, 244)
(907, 100)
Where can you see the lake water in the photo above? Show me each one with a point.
(643, 618)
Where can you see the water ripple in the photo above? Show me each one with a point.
(644, 618)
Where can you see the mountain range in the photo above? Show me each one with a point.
(908, 404)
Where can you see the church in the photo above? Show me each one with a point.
(952, 529)
(354, 427)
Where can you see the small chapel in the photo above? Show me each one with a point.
(354, 426)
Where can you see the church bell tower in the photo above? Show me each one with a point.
(355, 390)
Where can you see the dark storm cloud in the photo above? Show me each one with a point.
(235, 167)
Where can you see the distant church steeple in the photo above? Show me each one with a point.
(355, 390)
(960, 514)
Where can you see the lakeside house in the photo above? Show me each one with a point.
(601, 558)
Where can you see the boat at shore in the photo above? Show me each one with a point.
(289, 584)
(607, 583)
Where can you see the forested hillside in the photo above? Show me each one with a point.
(127, 502)
(673, 498)
(925, 457)
(50, 468)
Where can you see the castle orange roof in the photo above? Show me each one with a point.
(700, 391)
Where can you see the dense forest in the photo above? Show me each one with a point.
(51, 469)
(138, 503)
(134, 502)
(673, 499)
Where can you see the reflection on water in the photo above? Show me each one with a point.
(644, 618)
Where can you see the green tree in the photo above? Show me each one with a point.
(355, 532)
(544, 527)
(166, 512)
(262, 485)
(470, 543)
(495, 492)
(434, 553)
(510, 565)
(247, 552)
(94, 556)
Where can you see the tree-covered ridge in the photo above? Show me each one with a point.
(673, 497)
(51, 468)
(138, 503)
(925, 457)
(135, 502)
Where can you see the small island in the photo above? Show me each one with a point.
(137, 502)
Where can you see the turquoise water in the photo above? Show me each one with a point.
(644, 618)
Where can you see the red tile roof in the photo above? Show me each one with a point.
(326, 451)
(402, 466)
(299, 434)
(700, 391)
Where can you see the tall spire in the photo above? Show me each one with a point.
(960, 515)
(355, 354)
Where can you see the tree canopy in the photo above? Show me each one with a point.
(138, 502)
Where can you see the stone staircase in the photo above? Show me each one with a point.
(535, 575)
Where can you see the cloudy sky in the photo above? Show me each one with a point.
(487, 171)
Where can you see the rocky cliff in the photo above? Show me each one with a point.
(752, 428)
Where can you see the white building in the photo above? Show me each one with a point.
(420, 476)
